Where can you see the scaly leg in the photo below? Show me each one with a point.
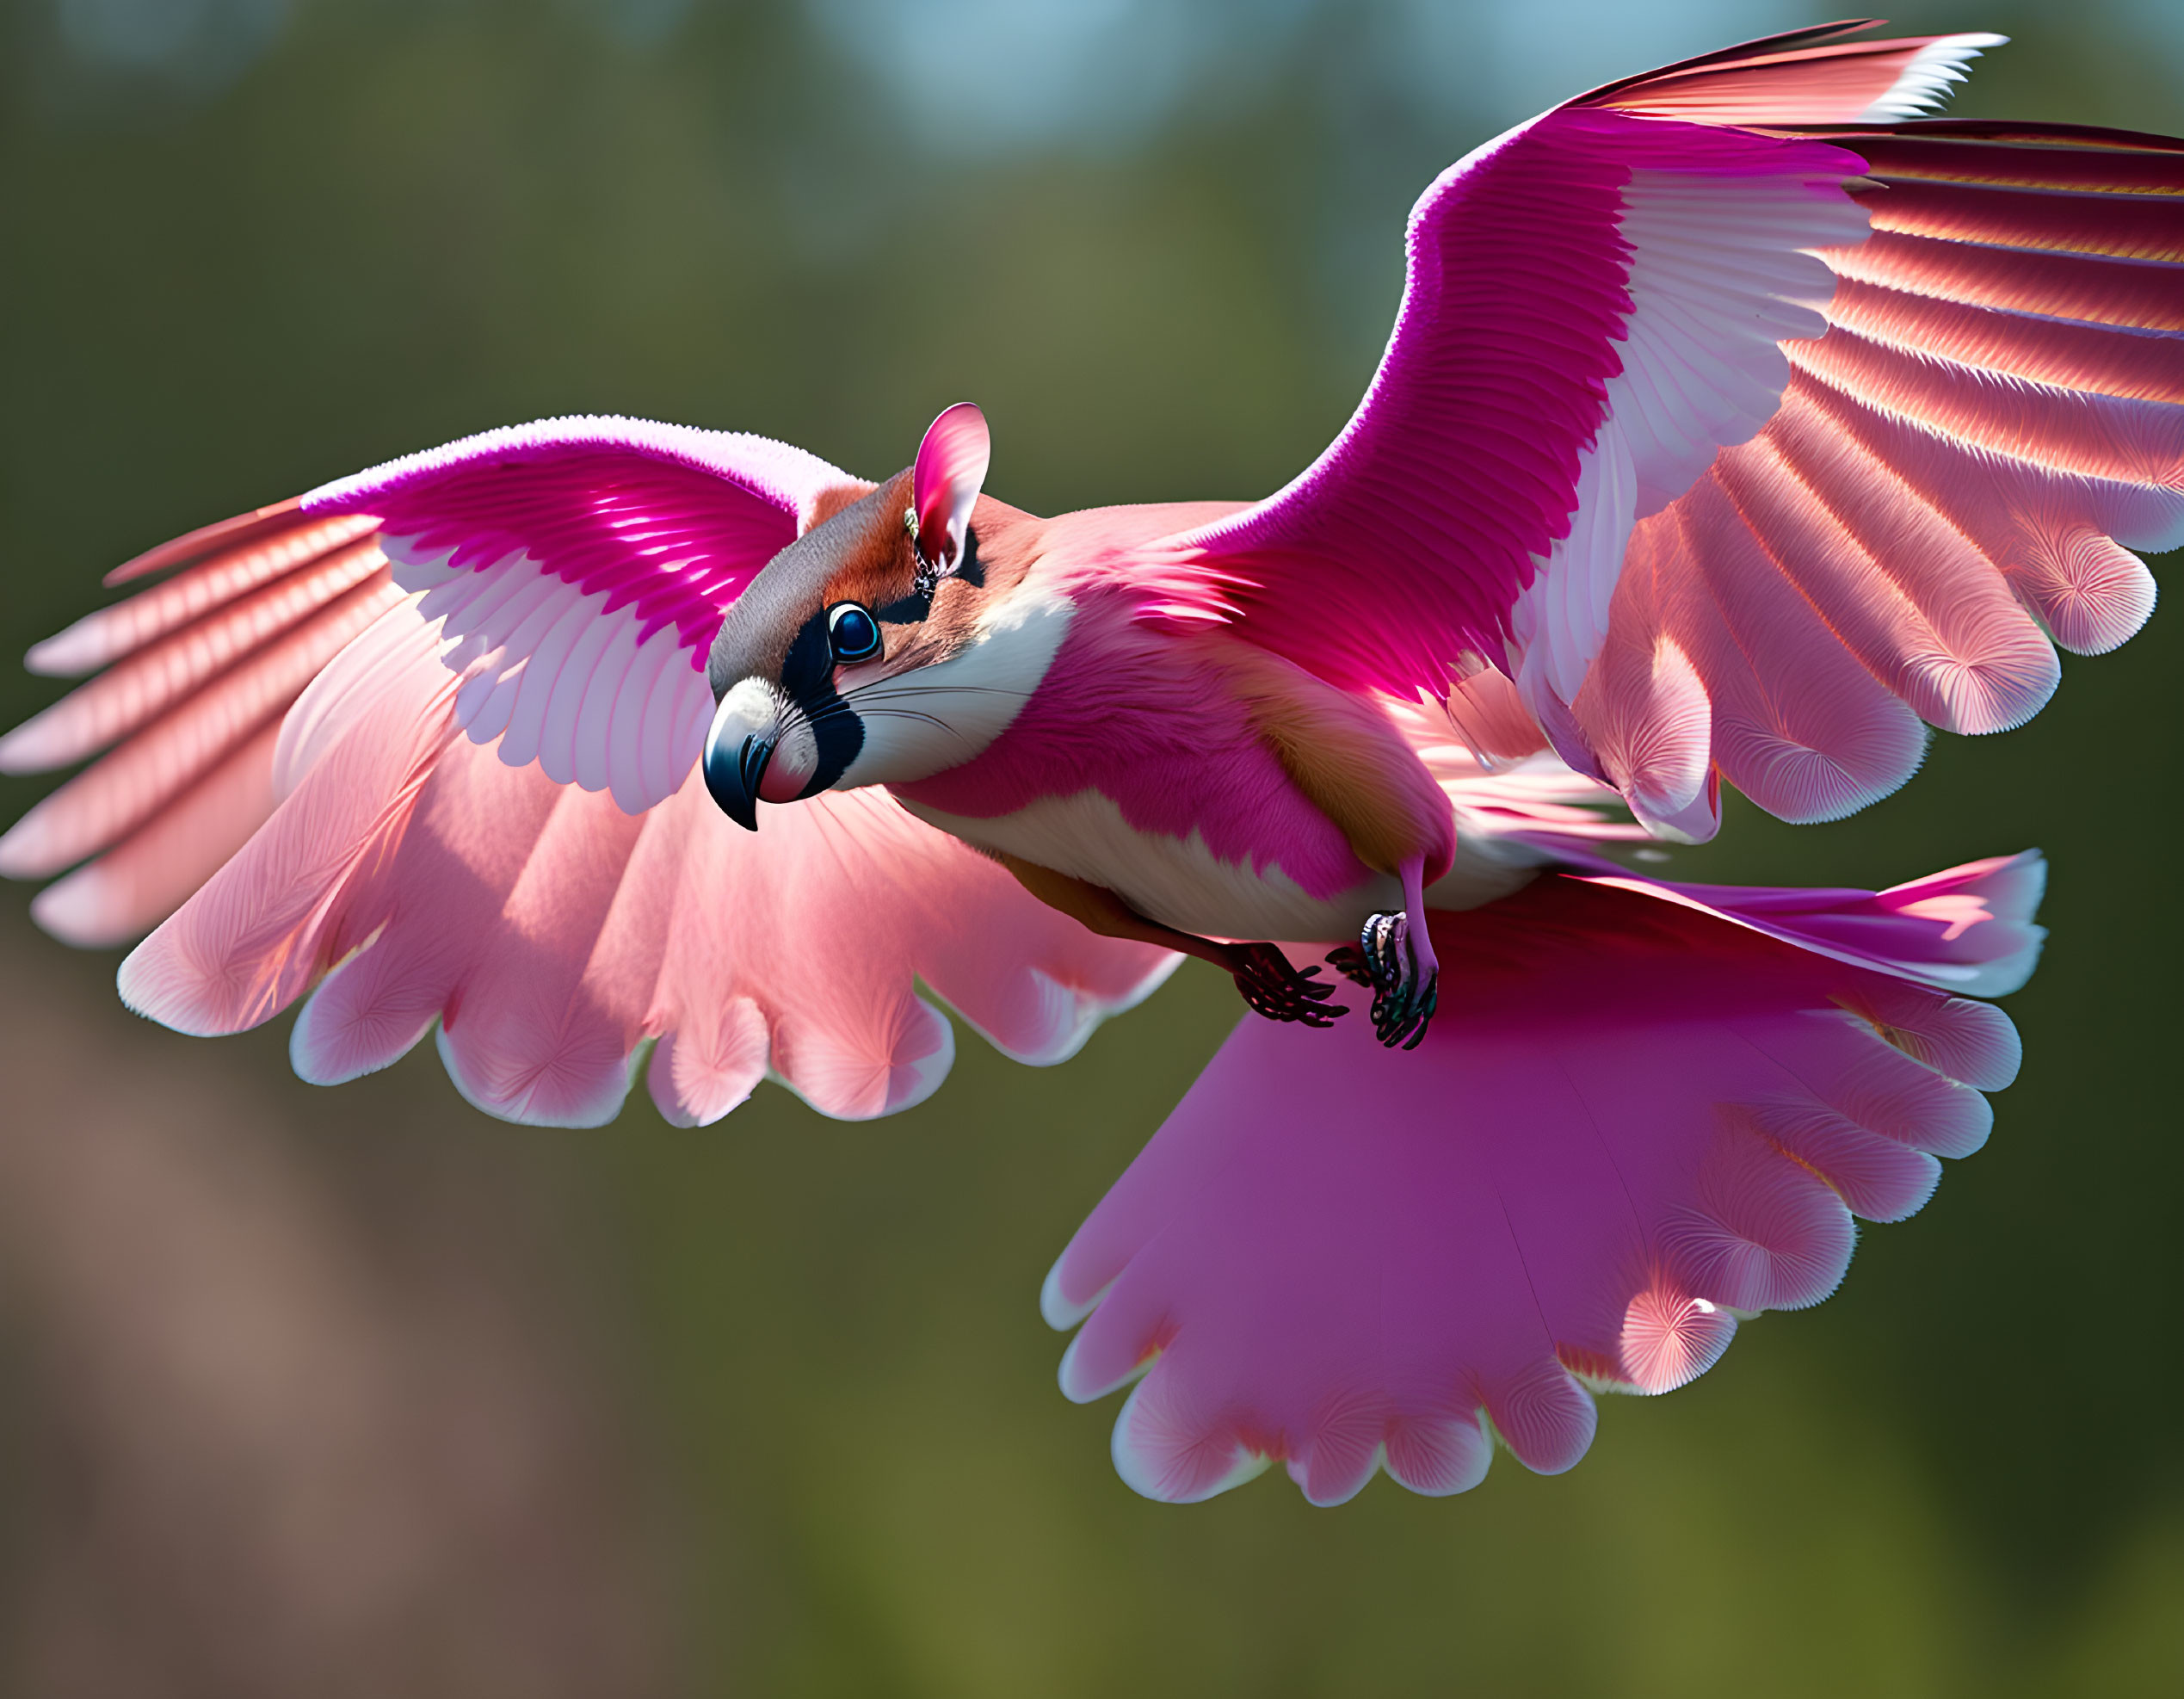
(1262, 974)
(1394, 958)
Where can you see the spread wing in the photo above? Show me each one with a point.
(1643, 1112)
(423, 740)
(417, 881)
(1950, 487)
(1726, 485)
(581, 567)
(578, 567)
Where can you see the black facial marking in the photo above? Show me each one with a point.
(906, 610)
(747, 643)
(807, 670)
(970, 570)
(808, 676)
(967, 569)
(911, 609)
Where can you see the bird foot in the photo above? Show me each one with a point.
(1405, 992)
(1280, 991)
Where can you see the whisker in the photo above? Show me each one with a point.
(879, 690)
(929, 718)
(913, 713)
(838, 709)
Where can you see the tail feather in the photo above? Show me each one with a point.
(1643, 1113)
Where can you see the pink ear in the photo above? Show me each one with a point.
(951, 468)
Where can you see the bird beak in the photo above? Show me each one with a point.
(746, 727)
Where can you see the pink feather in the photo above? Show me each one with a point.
(120, 793)
(122, 894)
(1633, 1120)
(551, 935)
(1406, 544)
(1804, 76)
(1985, 427)
(167, 668)
(279, 544)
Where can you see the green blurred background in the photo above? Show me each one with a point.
(358, 1391)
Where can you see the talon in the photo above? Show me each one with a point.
(1426, 1005)
(1282, 992)
(1349, 962)
(1404, 997)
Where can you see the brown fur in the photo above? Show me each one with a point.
(878, 566)
(1098, 910)
(873, 563)
(828, 503)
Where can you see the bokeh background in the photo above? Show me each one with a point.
(360, 1392)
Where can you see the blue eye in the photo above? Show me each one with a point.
(852, 632)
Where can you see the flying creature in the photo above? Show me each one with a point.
(1739, 424)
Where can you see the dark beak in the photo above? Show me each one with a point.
(732, 774)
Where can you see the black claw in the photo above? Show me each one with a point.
(1349, 962)
(1383, 960)
(1426, 1005)
(1282, 992)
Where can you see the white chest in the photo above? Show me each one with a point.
(1181, 883)
(1175, 880)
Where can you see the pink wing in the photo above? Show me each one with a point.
(291, 729)
(1411, 542)
(417, 881)
(1727, 487)
(200, 670)
(1998, 405)
(579, 567)
(1634, 1122)
(1817, 76)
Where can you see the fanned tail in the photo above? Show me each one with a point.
(1643, 1112)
